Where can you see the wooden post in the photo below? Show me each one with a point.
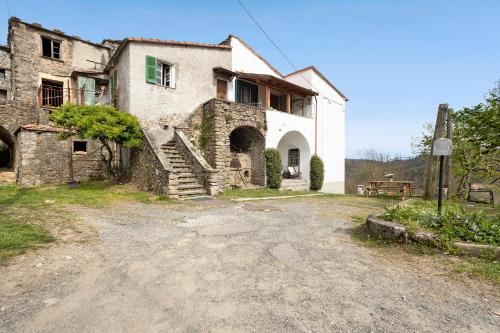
(289, 103)
(268, 97)
(447, 171)
(431, 169)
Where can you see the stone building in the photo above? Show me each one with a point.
(207, 111)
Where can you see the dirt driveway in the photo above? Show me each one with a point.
(219, 266)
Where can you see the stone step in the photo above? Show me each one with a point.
(187, 180)
(179, 163)
(182, 170)
(195, 197)
(187, 186)
(185, 175)
(186, 193)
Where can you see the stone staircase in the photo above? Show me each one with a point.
(188, 186)
(294, 185)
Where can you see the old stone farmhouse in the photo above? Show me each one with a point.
(208, 111)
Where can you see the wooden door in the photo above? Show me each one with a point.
(221, 89)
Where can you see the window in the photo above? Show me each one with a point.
(160, 73)
(293, 157)
(3, 95)
(2, 73)
(79, 147)
(51, 48)
(163, 74)
(247, 93)
(52, 93)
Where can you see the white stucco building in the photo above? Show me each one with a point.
(304, 111)
(318, 127)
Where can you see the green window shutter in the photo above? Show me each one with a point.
(254, 93)
(150, 69)
(238, 92)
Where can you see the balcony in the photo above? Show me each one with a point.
(52, 95)
(272, 93)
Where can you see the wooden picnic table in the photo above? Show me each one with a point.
(403, 186)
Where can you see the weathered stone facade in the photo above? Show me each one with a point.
(5, 78)
(209, 128)
(39, 156)
(147, 171)
(42, 158)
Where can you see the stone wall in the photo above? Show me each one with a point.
(42, 158)
(147, 171)
(209, 129)
(5, 65)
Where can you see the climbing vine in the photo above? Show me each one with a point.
(206, 126)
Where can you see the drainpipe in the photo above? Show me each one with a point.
(316, 127)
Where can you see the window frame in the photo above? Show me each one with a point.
(80, 152)
(52, 53)
(3, 73)
(161, 66)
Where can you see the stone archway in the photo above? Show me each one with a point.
(7, 150)
(247, 164)
(295, 152)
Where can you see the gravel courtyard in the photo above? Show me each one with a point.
(219, 266)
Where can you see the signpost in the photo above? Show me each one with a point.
(442, 147)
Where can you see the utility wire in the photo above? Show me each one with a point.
(8, 7)
(281, 51)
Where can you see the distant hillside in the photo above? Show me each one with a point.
(361, 171)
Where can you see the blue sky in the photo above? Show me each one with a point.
(395, 60)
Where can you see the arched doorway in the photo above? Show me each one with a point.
(295, 153)
(247, 163)
(6, 150)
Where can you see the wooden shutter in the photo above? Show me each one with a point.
(221, 89)
(150, 69)
(238, 92)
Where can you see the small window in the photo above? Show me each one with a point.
(51, 48)
(2, 73)
(79, 147)
(3, 95)
(163, 74)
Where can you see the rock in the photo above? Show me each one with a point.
(478, 250)
(425, 237)
(51, 301)
(385, 229)
(49, 202)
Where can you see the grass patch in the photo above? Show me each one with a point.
(32, 217)
(258, 193)
(17, 237)
(460, 221)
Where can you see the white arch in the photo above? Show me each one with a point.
(294, 140)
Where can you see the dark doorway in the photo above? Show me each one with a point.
(6, 150)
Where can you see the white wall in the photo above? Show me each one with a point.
(279, 124)
(330, 108)
(246, 61)
(195, 81)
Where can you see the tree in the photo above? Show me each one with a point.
(273, 168)
(476, 143)
(316, 173)
(103, 123)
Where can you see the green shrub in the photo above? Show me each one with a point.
(456, 223)
(273, 168)
(317, 173)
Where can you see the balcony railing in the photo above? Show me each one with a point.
(52, 96)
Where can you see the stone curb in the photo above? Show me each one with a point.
(398, 232)
(281, 197)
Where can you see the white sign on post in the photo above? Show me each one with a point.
(442, 147)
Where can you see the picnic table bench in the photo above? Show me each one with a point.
(404, 187)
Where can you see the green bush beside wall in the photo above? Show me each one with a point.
(273, 168)
(317, 173)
